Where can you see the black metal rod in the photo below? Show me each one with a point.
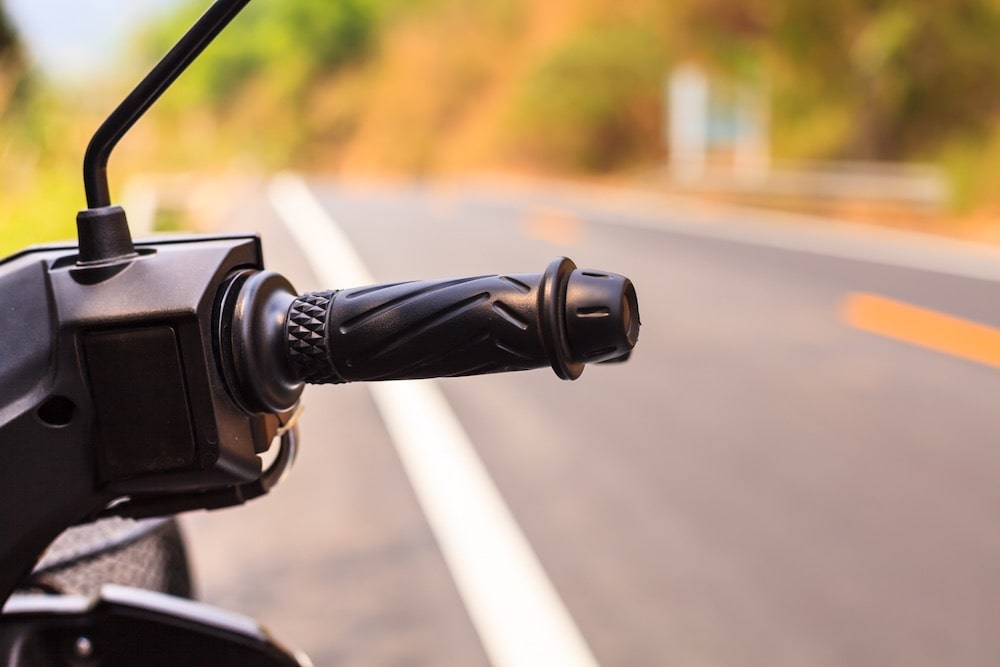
(184, 52)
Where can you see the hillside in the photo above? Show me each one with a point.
(426, 87)
(440, 85)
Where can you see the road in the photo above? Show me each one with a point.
(762, 484)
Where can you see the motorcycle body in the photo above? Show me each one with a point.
(149, 383)
(141, 380)
(66, 460)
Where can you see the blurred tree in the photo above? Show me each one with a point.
(288, 43)
(11, 59)
(911, 73)
(10, 46)
(39, 185)
(594, 102)
(581, 79)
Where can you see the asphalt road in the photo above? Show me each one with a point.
(762, 484)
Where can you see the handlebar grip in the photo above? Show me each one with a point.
(563, 317)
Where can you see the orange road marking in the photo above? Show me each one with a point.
(923, 327)
(553, 226)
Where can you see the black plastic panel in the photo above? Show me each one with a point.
(125, 627)
(26, 331)
(137, 385)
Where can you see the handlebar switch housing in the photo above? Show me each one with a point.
(115, 396)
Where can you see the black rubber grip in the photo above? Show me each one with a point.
(563, 317)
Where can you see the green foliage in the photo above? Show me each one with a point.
(40, 185)
(40, 207)
(593, 103)
(259, 73)
(40, 188)
(286, 42)
(910, 74)
(972, 164)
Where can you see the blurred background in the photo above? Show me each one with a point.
(799, 465)
(880, 110)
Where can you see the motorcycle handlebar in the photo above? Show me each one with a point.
(564, 318)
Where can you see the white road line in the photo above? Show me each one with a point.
(514, 607)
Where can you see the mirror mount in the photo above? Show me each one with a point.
(136, 103)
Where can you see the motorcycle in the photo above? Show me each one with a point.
(143, 379)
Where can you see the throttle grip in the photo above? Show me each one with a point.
(564, 317)
(465, 326)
